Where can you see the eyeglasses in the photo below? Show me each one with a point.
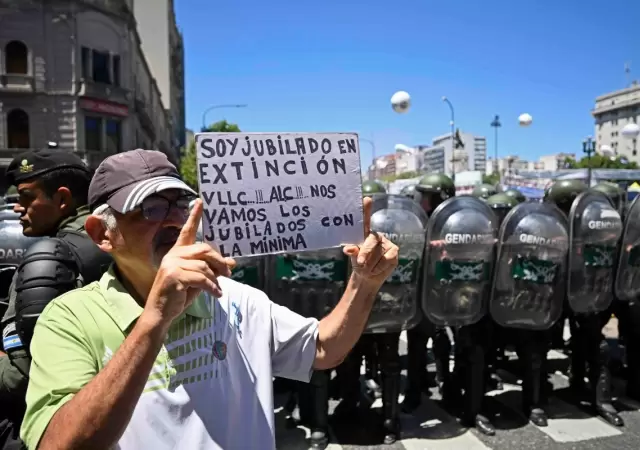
(156, 208)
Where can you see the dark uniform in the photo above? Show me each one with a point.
(531, 345)
(627, 312)
(501, 204)
(381, 353)
(430, 192)
(49, 268)
(589, 349)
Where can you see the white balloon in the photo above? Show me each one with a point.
(400, 102)
(606, 150)
(525, 119)
(630, 131)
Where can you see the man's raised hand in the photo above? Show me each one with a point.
(186, 270)
(376, 259)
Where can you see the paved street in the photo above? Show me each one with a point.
(432, 427)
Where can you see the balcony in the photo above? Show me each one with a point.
(102, 91)
(145, 117)
(18, 83)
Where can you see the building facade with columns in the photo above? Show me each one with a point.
(74, 73)
(612, 112)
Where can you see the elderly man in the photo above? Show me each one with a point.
(166, 351)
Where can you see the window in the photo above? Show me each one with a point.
(102, 134)
(113, 131)
(16, 58)
(86, 63)
(116, 70)
(100, 67)
(93, 133)
(18, 129)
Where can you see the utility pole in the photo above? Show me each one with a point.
(453, 146)
(496, 124)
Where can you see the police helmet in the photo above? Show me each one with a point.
(372, 187)
(484, 191)
(519, 196)
(611, 190)
(564, 192)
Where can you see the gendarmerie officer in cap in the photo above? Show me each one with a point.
(52, 187)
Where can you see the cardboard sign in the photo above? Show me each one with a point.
(267, 193)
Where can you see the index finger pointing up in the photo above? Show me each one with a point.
(189, 231)
(367, 204)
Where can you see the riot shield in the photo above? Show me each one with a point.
(627, 283)
(250, 270)
(529, 276)
(13, 246)
(595, 228)
(310, 283)
(403, 222)
(461, 239)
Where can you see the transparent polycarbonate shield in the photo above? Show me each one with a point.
(595, 228)
(13, 244)
(403, 222)
(310, 283)
(627, 283)
(251, 270)
(461, 239)
(529, 276)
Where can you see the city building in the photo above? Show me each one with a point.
(74, 73)
(611, 113)
(510, 163)
(163, 48)
(465, 152)
(554, 162)
(383, 166)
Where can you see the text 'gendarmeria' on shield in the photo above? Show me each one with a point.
(280, 192)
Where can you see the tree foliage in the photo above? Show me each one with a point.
(188, 161)
(598, 161)
(400, 176)
(492, 179)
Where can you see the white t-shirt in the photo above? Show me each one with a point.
(211, 386)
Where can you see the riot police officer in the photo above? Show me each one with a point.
(396, 307)
(531, 345)
(626, 305)
(588, 345)
(484, 191)
(53, 187)
(501, 204)
(627, 311)
(430, 192)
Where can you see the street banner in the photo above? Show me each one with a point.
(268, 193)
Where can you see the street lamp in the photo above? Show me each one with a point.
(588, 147)
(452, 123)
(204, 114)
(496, 124)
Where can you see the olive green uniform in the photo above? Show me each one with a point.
(14, 367)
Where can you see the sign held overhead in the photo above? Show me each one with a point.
(267, 193)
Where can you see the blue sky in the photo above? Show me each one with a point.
(333, 66)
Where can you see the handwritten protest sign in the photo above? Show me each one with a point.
(280, 192)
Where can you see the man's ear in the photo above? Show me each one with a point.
(98, 233)
(65, 200)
